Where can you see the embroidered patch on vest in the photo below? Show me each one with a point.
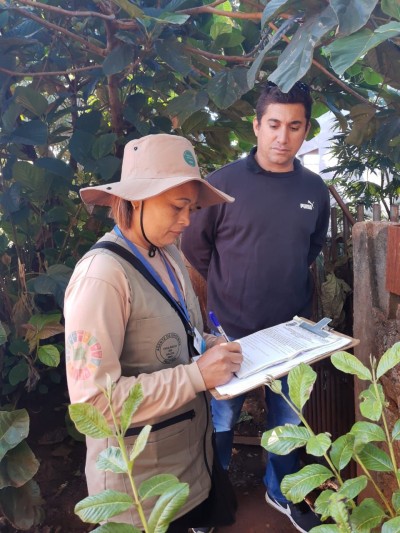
(83, 354)
(168, 348)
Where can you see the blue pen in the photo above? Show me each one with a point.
(216, 323)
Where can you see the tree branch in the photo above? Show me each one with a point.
(65, 12)
(49, 73)
(233, 59)
(229, 14)
(60, 29)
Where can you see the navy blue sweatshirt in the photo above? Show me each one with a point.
(255, 253)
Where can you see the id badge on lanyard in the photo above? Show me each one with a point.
(198, 342)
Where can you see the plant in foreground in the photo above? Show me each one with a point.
(341, 504)
(118, 459)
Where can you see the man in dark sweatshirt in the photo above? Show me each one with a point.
(256, 254)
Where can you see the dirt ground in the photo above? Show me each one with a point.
(62, 481)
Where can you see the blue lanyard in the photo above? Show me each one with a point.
(156, 276)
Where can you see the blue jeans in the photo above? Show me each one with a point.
(225, 414)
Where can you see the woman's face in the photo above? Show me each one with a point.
(165, 216)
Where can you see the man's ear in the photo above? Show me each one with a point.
(308, 128)
(256, 126)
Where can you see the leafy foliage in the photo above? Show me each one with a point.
(358, 445)
(108, 503)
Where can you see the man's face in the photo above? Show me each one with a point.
(280, 133)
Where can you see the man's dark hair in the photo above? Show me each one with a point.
(271, 94)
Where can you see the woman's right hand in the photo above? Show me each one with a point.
(218, 364)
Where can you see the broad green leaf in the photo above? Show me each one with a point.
(391, 7)
(80, 146)
(396, 430)
(30, 99)
(342, 451)
(295, 487)
(31, 133)
(371, 77)
(322, 503)
(274, 8)
(367, 432)
(372, 402)
(301, 381)
(186, 104)
(367, 516)
(116, 527)
(42, 321)
(19, 373)
(317, 445)
(396, 501)
(173, 53)
(11, 503)
(89, 421)
(3, 334)
(352, 14)
(156, 485)
(107, 166)
(352, 487)
(54, 282)
(346, 51)
(389, 360)
(33, 179)
(18, 466)
(373, 458)
(49, 355)
(284, 439)
(276, 386)
(102, 506)
(173, 18)
(140, 443)
(328, 528)
(55, 166)
(227, 86)
(112, 459)
(295, 61)
(167, 506)
(349, 364)
(132, 10)
(103, 145)
(391, 526)
(339, 512)
(130, 405)
(118, 59)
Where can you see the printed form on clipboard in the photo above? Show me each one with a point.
(271, 353)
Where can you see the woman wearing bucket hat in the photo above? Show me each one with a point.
(131, 313)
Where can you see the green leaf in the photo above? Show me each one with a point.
(112, 459)
(227, 86)
(391, 8)
(167, 506)
(317, 445)
(130, 405)
(103, 145)
(367, 432)
(352, 487)
(3, 334)
(352, 14)
(373, 458)
(30, 99)
(295, 61)
(28, 497)
(372, 402)
(391, 526)
(284, 439)
(156, 485)
(339, 511)
(173, 53)
(102, 506)
(389, 360)
(186, 104)
(295, 487)
(18, 466)
(118, 59)
(328, 528)
(276, 386)
(49, 355)
(396, 431)
(80, 146)
(116, 527)
(19, 373)
(273, 8)
(301, 381)
(132, 10)
(55, 166)
(322, 503)
(342, 451)
(396, 501)
(89, 421)
(140, 442)
(349, 364)
(31, 133)
(367, 516)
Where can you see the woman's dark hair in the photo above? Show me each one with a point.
(271, 94)
(122, 212)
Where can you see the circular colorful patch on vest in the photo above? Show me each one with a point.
(83, 354)
(189, 158)
(168, 348)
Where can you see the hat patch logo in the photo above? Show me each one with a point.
(189, 158)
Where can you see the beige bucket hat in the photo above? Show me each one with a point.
(152, 165)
